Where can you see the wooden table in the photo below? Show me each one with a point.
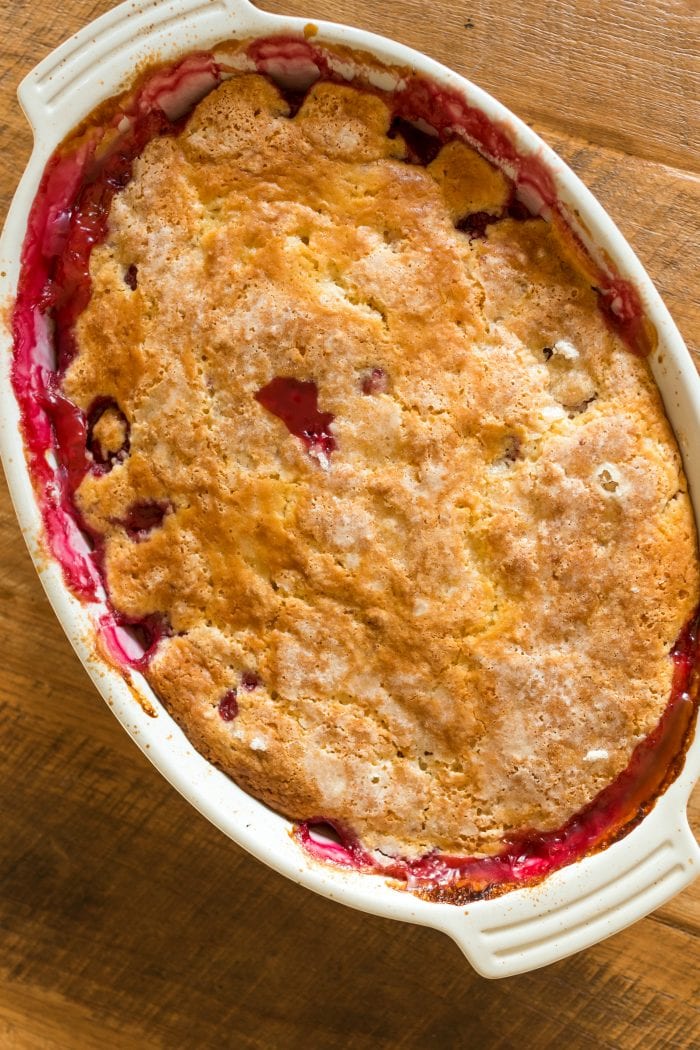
(128, 921)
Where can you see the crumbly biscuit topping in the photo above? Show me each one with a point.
(455, 622)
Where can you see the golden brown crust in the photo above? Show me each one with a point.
(462, 626)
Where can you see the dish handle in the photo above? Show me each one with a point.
(621, 885)
(98, 61)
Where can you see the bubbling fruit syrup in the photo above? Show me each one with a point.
(69, 217)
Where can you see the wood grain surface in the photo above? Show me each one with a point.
(126, 920)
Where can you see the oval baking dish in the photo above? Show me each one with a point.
(525, 928)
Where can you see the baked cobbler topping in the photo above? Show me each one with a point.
(385, 509)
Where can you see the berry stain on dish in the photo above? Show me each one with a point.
(445, 662)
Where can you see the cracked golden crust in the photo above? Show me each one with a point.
(463, 626)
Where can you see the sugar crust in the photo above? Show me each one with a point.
(462, 627)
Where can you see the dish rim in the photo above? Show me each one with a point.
(526, 928)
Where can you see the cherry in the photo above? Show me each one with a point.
(228, 706)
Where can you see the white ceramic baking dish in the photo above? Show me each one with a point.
(526, 928)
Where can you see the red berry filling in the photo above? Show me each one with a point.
(131, 278)
(518, 211)
(421, 147)
(133, 641)
(70, 429)
(228, 706)
(296, 403)
(143, 518)
(375, 382)
(476, 223)
(102, 456)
